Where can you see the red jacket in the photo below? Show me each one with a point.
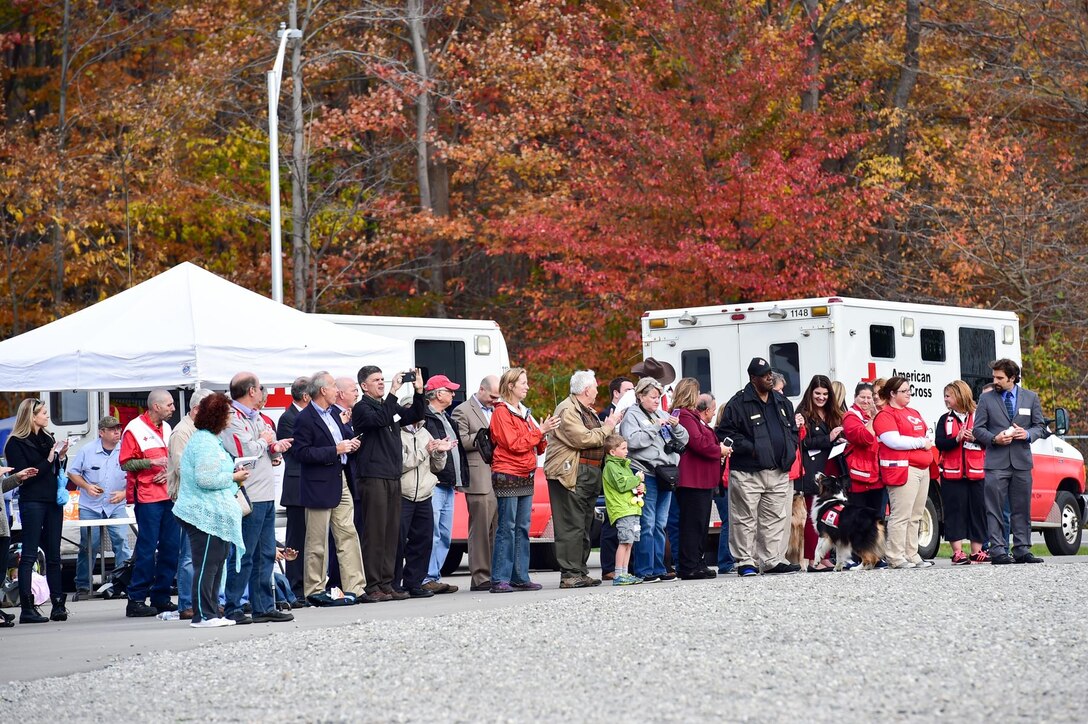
(518, 440)
(701, 461)
(861, 459)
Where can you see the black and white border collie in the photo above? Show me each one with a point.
(851, 529)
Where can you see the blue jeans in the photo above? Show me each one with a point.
(155, 560)
(725, 558)
(442, 504)
(648, 554)
(672, 530)
(284, 594)
(185, 573)
(93, 537)
(259, 536)
(510, 559)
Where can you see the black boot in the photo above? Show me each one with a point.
(59, 612)
(31, 614)
(7, 620)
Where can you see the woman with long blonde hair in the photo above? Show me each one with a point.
(962, 474)
(32, 446)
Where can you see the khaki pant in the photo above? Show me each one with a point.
(348, 553)
(908, 502)
(483, 516)
(572, 515)
(759, 517)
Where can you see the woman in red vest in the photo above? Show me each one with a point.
(861, 447)
(905, 459)
(961, 465)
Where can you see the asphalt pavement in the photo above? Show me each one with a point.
(970, 643)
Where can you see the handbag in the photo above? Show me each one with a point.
(666, 476)
(62, 488)
(242, 498)
(484, 445)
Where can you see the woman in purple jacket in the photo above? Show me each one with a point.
(700, 473)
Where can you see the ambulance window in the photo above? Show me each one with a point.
(443, 357)
(932, 345)
(978, 347)
(785, 358)
(68, 407)
(882, 341)
(696, 363)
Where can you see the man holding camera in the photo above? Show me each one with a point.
(377, 420)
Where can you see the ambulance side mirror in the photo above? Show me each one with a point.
(1061, 421)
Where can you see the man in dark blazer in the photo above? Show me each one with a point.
(323, 447)
(471, 416)
(295, 537)
(1007, 420)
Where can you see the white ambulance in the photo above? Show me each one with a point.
(851, 340)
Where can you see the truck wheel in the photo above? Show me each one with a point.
(453, 559)
(1065, 540)
(542, 557)
(929, 532)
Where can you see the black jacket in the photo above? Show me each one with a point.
(447, 476)
(291, 466)
(380, 455)
(743, 420)
(31, 452)
(814, 451)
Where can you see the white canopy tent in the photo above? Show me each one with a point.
(187, 327)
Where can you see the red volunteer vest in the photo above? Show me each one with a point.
(861, 462)
(965, 461)
(894, 463)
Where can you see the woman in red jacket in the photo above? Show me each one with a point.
(861, 459)
(962, 473)
(518, 440)
(700, 473)
(905, 458)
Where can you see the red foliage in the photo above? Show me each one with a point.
(696, 178)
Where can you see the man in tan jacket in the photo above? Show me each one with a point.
(470, 417)
(573, 468)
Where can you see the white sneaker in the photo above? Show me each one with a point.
(923, 564)
(212, 623)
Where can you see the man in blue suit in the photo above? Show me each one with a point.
(323, 448)
(1008, 419)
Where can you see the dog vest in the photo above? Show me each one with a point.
(830, 517)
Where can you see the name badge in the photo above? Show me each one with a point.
(756, 417)
(1025, 411)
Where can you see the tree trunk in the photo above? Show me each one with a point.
(62, 140)
(300, 160)
(908, 77)
(810, 99)
(890, 236)
(418, 33)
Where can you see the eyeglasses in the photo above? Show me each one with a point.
(37, 406)
(903, 392)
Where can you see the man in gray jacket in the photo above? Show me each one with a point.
(248, 435)
(1008, 419)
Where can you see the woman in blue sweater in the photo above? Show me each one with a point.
(206, 508)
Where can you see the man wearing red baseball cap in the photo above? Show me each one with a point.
(439, 393)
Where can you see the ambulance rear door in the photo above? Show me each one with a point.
(798, 346)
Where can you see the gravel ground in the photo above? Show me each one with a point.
(969, 644)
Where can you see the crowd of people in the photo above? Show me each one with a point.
(376, 475)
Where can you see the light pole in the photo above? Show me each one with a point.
(274, 80)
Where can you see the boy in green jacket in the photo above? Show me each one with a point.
(623, 491)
